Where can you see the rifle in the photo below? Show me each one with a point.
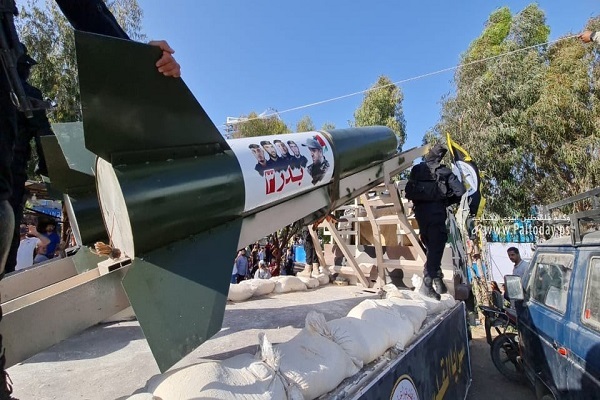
(10, 51)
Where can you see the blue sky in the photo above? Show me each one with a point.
(242, 56)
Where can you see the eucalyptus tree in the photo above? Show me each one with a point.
(327, 126)
(501, 78)
(252, 125)
(305, 125)
(49, 39)
(382, 105)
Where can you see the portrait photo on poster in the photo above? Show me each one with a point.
(279, 166)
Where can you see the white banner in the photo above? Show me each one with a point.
(279, 166)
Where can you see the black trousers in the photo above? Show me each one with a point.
(309, 249)
(8, 132)
(431, 218)
(21, 157)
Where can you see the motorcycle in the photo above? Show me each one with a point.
(504, 348)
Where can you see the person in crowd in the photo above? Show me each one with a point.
(289, 260)
(234, 273)
(496, 295)
(274, 268)
(520, 266)
(262, 272)
(31, 242)
(241, 263)
(432, 187)
(269, 252)
(52, 247)
(254, 258)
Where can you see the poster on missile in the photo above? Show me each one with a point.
(277, 167)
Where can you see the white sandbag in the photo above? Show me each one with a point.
(285, 284)
(358, 338)
(313, 362)
(260, 287)
(447, 301)
(143, 396)
(415, 310)
(240, 377)
(310, 283)
(433, 306)
(388, 324)
(240, 292)
(322, 278)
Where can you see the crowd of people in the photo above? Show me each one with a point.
(37, 243)
(263, 262)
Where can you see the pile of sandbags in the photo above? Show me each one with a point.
(277, 284)
(286, 284)
(310, 282)
(312, 363)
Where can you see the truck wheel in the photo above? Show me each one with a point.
(505, 352)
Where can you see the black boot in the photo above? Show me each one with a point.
(439, 285)
(429, 290)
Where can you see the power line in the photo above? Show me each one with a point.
(414, 78)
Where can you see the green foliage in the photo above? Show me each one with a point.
(529, 118)
(49, 39)
(328, 126)
(491, 41)
(260, 126)
(305, 125)
(382, 105)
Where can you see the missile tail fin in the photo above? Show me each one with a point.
(130, 110)
(179, 292)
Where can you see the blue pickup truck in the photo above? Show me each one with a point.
(558, 308)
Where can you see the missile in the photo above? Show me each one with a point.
(71, 172)
(179, 200)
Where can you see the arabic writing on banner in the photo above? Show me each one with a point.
(279, 166)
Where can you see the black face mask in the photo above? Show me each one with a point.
(436, 153)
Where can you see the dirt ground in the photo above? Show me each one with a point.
(488, 383)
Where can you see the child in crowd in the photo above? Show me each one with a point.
(262, 272)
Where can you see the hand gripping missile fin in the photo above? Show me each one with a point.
(149, 132)
(130, 108)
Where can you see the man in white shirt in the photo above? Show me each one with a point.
(521, 266)
(31, 242)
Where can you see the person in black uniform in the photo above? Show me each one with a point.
(432, 187)
(27, 129)
(85, 15)
(312, 261)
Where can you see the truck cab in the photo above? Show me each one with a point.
(558, 307)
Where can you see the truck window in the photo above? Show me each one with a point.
(550, 279)
(591, 307)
